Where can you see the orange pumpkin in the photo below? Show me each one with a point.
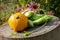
(18, 22)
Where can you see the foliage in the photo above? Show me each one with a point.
(5, 10)
(48, 5)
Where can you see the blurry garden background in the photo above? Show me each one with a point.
(8, 6)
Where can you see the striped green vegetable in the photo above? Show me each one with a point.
(29, 14)
(42, 20)
(35, 17)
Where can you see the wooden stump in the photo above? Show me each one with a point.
(5, 32)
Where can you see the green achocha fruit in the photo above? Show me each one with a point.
(29, 14)
(35, 17)
(42, 19)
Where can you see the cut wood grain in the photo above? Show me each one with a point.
(5, 31)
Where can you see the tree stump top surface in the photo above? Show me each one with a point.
(5, 30)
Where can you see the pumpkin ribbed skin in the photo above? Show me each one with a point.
(18, 22)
